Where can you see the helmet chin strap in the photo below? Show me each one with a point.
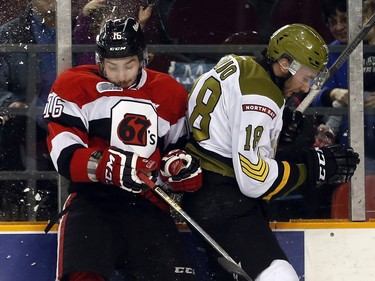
(101, 69)
(139, 76)
(280, 81)
(142, 65)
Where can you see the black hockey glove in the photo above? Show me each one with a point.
(292, 125)
(119, 167)
(333, 164)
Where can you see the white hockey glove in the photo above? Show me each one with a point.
(119, 167)
(181, 171)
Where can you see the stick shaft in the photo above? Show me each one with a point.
(158, 190)
(230, 265)
(226, 261)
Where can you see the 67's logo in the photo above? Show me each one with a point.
(133, 128)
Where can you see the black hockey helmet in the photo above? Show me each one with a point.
(120, 38)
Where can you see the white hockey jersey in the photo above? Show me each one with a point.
(235, 113)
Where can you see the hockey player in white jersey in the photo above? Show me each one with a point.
(235, 112)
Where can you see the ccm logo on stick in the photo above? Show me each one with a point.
(180, 269)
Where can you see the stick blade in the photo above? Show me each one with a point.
(233, 268)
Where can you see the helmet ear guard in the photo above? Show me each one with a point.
(284, 62)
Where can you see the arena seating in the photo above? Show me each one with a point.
(297, 11)
(340, 199)
(210, 21)
(11, 9)
(244, 38)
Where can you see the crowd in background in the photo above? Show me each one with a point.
(164, 22)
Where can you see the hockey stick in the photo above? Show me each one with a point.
(323, 77)
(225, 261)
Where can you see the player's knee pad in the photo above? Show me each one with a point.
(85, 276)
(279, 270)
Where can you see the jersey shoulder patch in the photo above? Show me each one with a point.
(255, 80)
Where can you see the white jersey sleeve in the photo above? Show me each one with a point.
(235, 111)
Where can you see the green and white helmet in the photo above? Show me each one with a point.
(301, 43)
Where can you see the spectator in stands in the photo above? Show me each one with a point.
(94, 13)
(335, 15)
(36, 25)
(335, 91)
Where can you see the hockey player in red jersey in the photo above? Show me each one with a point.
(235, 111)
(106, 122)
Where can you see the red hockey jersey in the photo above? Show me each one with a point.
(85, 112)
